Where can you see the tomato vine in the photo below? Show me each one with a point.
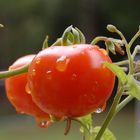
(127, 78)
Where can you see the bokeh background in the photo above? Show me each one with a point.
(27, 22)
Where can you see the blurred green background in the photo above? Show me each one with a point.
(27, 22)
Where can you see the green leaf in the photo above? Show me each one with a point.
(45, 43)
(118, 41)
(81, 35)
(65, 35)
(117, 71)
(134, 87)
(76, 36)
(58, 42)
(86, 121)
(70, 37)
(110, 45)
(108, 135)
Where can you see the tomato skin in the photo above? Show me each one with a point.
(70, 81)
(17, 95)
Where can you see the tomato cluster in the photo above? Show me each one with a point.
(62, 81)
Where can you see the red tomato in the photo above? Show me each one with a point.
(71, 80)
(16, 91)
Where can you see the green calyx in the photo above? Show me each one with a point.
(70, 36)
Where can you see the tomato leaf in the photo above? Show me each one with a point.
(134, 87)
(65, 35)
(108, 135)
(86, 121)
(110, 45)
(70, 37)
(117, 71)
(45, 43)
(76, 36)
(81, 35)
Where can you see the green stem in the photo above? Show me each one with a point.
(136, 74)
(88, 137)
(87, 129)
(97, 39)
(136, 50)
(124, 62)
(45, 43)
(9, 73)
(82, 124)
(124, 103)
(134, 38)
(115, 108)
(111, 113)
(131, 67)
(127, 46)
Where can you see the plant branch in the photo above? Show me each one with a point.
(136, 74)
(134, 38)
(124, 62)
(136, 50)
(111, 113)
(124, 103)
(82, 124)
(97, 39)
(9, 73)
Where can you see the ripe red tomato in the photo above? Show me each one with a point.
(16, 90)
(71, 80)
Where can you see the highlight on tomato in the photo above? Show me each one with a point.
(71, 81)
(19, 95)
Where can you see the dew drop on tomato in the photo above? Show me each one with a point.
(43, 124)
(21, 112)
(74, 76)
(38, 61)
(100, 109)
(27, 89)
(91, 47)
(49, 74)
(62, 63)
(33, 72)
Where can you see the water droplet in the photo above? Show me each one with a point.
(49, 74)
(90, 47)
(27, 89)
(74, 76)
(21, 112)
(33, 72)
(99, 110)
(43, 124)
(38, 60)
(62, 63)
(103, 106)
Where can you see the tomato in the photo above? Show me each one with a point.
(16, 90)
(71, 81)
